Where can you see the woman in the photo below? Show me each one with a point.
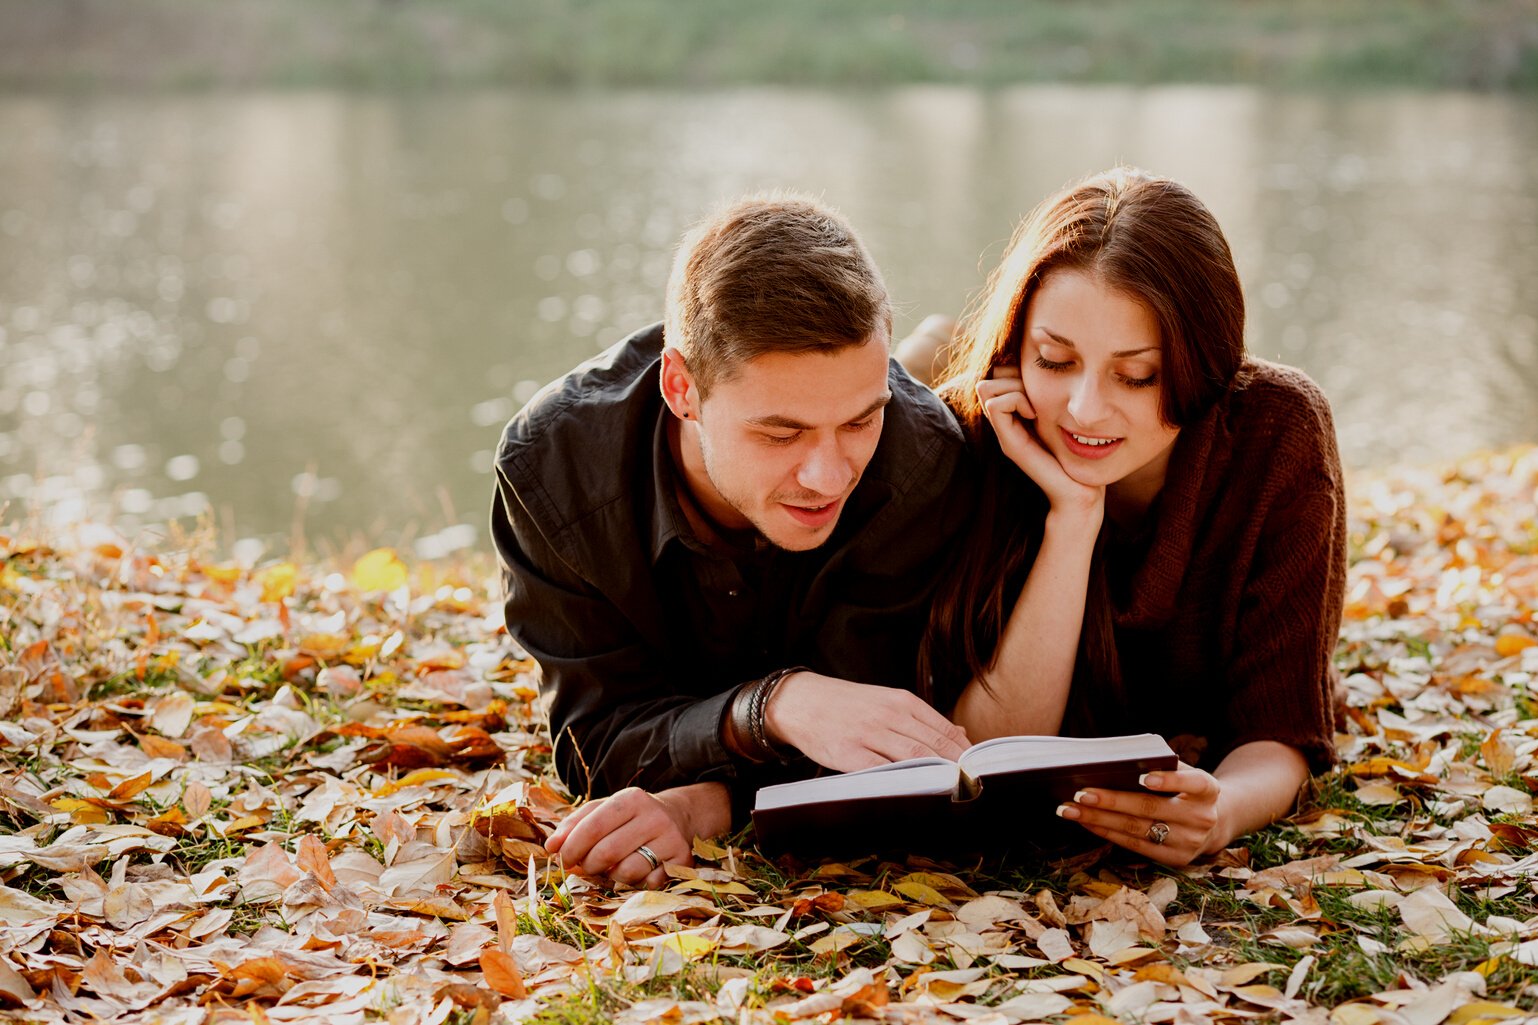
(1160, 543)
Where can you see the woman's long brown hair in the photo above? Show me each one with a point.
(1153, 240)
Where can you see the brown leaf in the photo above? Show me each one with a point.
(507, 920)
(391, 825)
(14, 990)
(1499, 757)
(197, 799)
(260, 976)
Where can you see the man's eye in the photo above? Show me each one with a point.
(861, 425)
(780, 439)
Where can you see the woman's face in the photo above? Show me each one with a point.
(1091, 362)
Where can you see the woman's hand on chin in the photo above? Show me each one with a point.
(1011, 415)
(1175, 829)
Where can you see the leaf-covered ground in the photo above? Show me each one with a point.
(280, 793)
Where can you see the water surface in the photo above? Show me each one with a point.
(315, 311)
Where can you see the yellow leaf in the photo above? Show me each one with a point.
(1356, 1014)
(277, 582)
(379, 570)
(709, 850)
(1507, 645)
(82, 813)
(874, 900)
(942, 881)
(412, 779)
(706, 886)
(1483, 1011)
(1489, 966)
(691, 946)
(833, 942)
(1083, 967)
(921, 893)
(1243, 974)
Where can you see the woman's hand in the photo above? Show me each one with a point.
(1190, 815)
(1011, 415)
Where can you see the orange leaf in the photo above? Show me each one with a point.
(314, 860)
(1507, 645)
(502, 973)
(160, 747)
(132, 787)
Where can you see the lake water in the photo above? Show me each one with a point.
(315, 311)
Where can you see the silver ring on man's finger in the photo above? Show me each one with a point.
(647, 853)
(1158, 832)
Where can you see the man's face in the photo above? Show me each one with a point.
(784, 440)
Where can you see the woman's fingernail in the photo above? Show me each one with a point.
(1067, 811)
(1150, 779)
(1085, 797)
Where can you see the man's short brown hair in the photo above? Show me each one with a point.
(775, 272)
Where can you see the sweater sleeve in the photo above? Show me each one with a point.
(1282, 679)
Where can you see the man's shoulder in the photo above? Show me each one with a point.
(582, 436)
(920, 437)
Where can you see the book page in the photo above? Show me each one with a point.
(913, 776)
(1009, 754)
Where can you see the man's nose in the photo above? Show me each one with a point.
(825, 469)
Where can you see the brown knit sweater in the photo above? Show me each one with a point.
(1228, 599)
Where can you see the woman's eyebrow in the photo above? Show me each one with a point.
(1123, 354)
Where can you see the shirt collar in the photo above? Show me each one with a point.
(667, 515)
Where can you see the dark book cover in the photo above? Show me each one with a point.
(996, 811)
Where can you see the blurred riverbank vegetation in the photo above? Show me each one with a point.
(386, 44)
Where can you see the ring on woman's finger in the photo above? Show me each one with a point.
(647, 853)
(1158, 832)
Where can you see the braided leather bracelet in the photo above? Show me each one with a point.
(747, 728)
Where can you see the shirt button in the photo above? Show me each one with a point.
(733, 593)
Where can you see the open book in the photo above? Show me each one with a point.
(999, 792)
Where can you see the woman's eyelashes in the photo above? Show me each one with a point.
(1056, 366)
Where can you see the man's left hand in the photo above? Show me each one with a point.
(603, 838)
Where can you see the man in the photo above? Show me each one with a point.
(719, 537)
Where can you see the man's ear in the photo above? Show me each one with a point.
(679, 390)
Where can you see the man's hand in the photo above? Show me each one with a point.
(847, 726)
(603, 838)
